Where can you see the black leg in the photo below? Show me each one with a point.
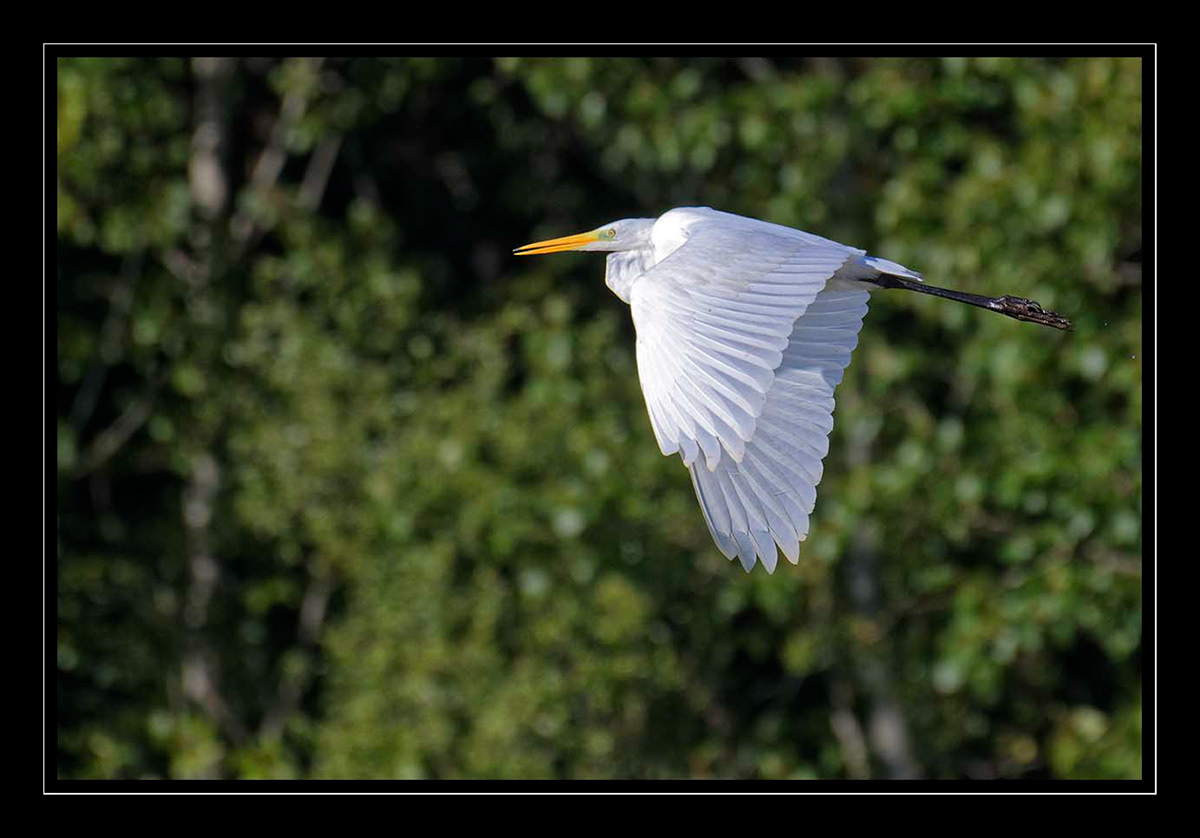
(1015, 307)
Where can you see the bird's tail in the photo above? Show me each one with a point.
(886, 266)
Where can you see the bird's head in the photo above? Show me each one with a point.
(626, 234)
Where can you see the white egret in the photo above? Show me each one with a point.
(744, 330)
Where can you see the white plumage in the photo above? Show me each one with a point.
(744, 330)
(764, 497)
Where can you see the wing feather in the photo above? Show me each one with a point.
(714, 321)
(744, 331)
(765, 499)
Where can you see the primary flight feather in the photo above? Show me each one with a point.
(744, 330)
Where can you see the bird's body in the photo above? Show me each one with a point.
(744, 330)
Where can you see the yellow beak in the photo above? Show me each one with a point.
(555, 245)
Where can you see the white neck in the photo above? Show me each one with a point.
(623, 267)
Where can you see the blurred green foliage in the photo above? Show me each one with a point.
(345, 491)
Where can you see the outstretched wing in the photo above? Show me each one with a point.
(765, 498)
(714, 319)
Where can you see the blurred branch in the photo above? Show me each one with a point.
(270, 162)
(120, 302)
(1121, 563)
(245, 226)
(200, 666)
(888, 732)
(183, 267)
(210, 191)
(1003, 769)
(848, 732)
(365, 187)
(109, 441)
(292, 682)
(757, 69)
(207, 172)
(316, 176)
(889, 737)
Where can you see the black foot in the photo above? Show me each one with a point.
(1028, 310)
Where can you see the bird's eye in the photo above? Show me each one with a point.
(610, 233)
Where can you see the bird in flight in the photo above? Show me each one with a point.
(744, 330)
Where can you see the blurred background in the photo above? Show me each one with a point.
(345, 490)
